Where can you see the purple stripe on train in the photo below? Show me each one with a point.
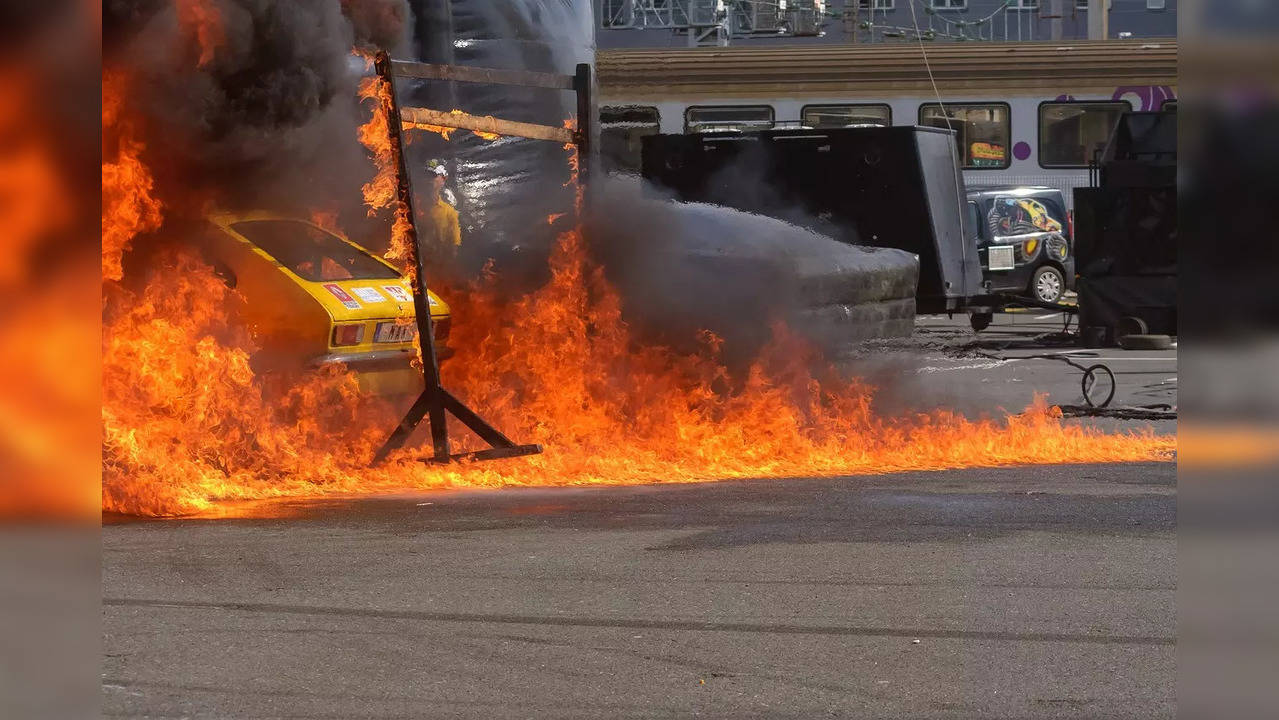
(1141, 97)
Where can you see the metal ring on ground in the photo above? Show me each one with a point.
(1090, 379)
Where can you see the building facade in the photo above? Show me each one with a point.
(880, 21)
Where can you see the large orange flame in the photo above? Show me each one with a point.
(188, 424)
(48, 437)
(375, 136)
(33, 199)
(128, 203)
(381, 192)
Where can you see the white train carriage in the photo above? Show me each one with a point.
(1025, 113)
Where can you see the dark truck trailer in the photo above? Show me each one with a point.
(1126, 233)
(894, 187)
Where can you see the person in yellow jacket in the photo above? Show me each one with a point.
(445, 235)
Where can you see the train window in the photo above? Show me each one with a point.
(838, 116)
(728, 117)
(1072, 133)
(621, 130)
(984, 131)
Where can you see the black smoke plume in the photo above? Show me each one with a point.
(248, 103)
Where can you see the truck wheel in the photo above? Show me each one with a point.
(980, 321)
(1131, 326)
(1093, 336)
(1145, 342)
(1047, 284)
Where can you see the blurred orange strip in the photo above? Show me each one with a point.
(1227, 446)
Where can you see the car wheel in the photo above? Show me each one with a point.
(1047, 284)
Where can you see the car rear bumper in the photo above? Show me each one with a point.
(376, 359)
(382, 372)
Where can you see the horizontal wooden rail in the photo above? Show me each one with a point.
(496, 126)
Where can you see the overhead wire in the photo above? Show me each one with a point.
(1002, 8)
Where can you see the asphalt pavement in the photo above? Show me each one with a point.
(1044, 592)
(1021, 355)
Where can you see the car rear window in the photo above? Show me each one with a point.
(1023, 214)
(312, 253)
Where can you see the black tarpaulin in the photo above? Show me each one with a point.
(505, 189)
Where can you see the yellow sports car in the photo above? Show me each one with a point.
(313, 297)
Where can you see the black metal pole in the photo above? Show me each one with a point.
(582, 85)
(435, 401)
(432, 396)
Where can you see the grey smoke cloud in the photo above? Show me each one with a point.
(684, 267)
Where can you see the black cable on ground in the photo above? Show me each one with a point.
(1089, 381)
(1096, 407)
(1142, 412)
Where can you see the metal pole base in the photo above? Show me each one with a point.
(490, 454)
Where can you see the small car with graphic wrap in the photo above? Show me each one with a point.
(1023, 240)
(313, 297)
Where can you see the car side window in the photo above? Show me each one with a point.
(1056, 209)
(1011, 216)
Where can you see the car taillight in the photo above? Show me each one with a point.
(1070, 222)
(348, 335)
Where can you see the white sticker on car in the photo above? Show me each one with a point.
(369, 295)
(398, 292)
(340, 294)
